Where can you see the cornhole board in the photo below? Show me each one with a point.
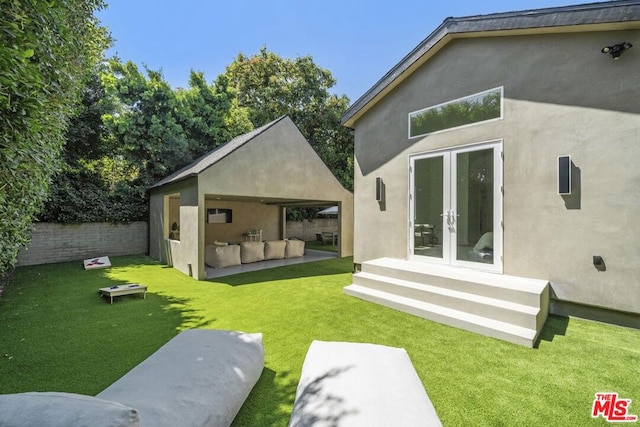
(129, 289)
(97, 263)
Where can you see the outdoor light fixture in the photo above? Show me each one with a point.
(598, 263)
(564, 175)
(379, 189)
(616, 49)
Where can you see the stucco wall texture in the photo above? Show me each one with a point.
(562, 96)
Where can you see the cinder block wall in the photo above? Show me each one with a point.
(70, 242)
(306, 230)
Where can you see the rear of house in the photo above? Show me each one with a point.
(497, 172)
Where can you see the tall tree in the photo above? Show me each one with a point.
(93, 173)
(133, 129)
(210, 113)
(161, 129)
(146, 123)
(158, 130)
(46, 49)
(271, 86)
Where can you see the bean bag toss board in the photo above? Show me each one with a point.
(97, 263)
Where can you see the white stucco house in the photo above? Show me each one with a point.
(496, 172)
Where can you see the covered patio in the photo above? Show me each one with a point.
(240, 192)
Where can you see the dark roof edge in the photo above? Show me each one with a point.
(581, 14)
(164, 181)
(254, 133)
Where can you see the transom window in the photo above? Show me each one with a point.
(477, 108)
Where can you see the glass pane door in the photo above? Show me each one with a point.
(428, 203)
(474, 221)
(456, 205)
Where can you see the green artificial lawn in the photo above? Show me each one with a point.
(56, 333)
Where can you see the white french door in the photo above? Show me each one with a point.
(456, 206)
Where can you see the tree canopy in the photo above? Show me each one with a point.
(134, 129)
(147, 131)
(270, 86)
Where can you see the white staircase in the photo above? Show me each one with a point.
(506, 307)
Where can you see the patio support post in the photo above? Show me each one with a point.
(283, 223)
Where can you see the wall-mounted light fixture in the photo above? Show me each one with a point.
(379, 189)
(598, 263)
(617, 49)
(564, 175)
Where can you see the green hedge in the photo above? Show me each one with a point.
(46, 49)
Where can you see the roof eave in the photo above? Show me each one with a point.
(161, 184)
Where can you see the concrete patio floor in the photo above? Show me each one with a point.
(310, 255)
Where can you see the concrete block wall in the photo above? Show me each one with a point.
(70, 242)
(306, 230)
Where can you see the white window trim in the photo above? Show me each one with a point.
(499, 88)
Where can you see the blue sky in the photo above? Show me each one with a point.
(357, 40)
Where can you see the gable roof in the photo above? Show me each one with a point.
(625, 14)
(214, 156)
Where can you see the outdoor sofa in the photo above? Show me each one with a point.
(199, 378)
(223, 254)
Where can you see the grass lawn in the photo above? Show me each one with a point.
(56, 333)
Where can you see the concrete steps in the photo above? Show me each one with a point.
(505, 307)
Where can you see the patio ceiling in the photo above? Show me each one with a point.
(284, 202)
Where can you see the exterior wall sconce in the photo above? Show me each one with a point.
(379, 189)
(381, 194)
(564, 175)
(598, 263)
(617, 49)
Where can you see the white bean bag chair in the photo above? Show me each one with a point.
(352, 384)
(199, 378)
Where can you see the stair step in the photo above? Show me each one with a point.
(501, 306)
(518, 290)
(456, 318)
(493, 308)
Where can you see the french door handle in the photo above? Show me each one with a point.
(450, 217)
(447, 215)
(454, 217)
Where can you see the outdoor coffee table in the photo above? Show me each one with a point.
(120, 290)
